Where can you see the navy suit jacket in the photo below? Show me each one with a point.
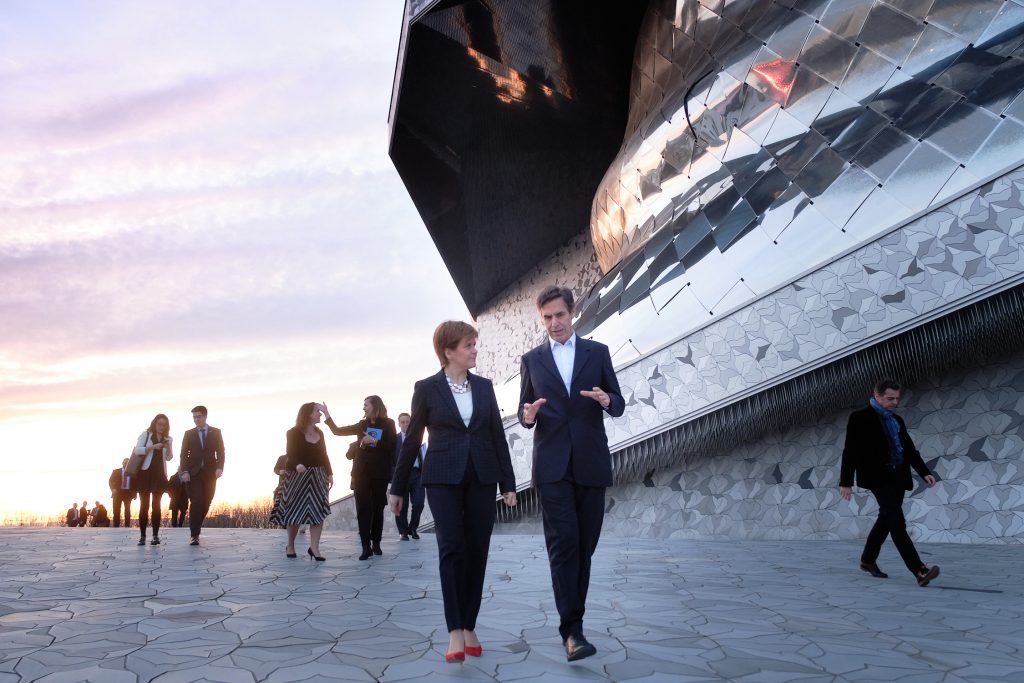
(452, 444)
(570, 425)
(197, 460)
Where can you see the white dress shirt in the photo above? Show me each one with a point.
(565, 356)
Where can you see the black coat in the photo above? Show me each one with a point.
(372, 462)
(452, 444)
(866, 452)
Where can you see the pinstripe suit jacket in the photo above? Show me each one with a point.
(452, 444)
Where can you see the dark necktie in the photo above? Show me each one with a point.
(202, 438)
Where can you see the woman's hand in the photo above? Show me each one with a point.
(330, 482)
(395, 503)
(508, 498)
(300, 468)
(323, 409)
(368, 440)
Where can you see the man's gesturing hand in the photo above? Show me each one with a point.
(598, 395)
(530, 410)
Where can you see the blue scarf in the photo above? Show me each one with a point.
(892, 430)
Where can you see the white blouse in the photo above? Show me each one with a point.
(144, 440)
(465, 404)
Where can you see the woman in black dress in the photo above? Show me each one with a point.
(371, 469)
(309, 479)
(151, 480)
(467, 462)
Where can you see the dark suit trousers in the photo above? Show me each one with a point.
(891, 522)
(179, 506)
(122, 498)
(200, 495)
(415, 495)
(573, 515)
(463, 522)
(371, 499)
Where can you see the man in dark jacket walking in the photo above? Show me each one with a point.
(879, 454)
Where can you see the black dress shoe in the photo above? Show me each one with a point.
(414, 535)
(926, 574)
(578, 647)
(376, 549)
(194, 541)
(155, 541)
(142, 541)
(405, 537)
(873, 570)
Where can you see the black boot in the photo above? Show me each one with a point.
(366, 553)
(142, 538)
(376, 548)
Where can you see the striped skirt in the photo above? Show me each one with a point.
(305, 497)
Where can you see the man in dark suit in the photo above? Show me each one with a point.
(83, 513)
(202, 463)
(880, 453)
(122, 493)
(72, 516)
(567, 386)
(407, 526)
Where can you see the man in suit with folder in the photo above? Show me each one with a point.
(202, 463)
(567, 386)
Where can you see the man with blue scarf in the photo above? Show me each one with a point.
(880, 453)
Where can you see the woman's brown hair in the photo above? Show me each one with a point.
(449, 335)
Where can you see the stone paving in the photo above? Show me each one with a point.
(90, 605)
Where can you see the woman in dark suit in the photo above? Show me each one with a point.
(151, 480)
(371, 469)
(466, 458)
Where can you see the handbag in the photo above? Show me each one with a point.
(134, 463)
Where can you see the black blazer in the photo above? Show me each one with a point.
(115, 483)
(570, 424)
(452, 444)
(197, 460)
(866, 452)
(372, 462)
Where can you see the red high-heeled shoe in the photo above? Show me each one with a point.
(455, 657)
(474, 651)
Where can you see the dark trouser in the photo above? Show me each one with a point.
(573, 515)
(889, 494)
(463, 521)
(144, 503)
(200, 495)
(416, 494)
(371, 499)
(123, 498)
(179, 506)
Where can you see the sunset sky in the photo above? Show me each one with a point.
(197, 206)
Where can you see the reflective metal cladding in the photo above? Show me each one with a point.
(505, 116)
(767, 138)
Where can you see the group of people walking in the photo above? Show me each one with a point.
(568, 385)
(144, 474)
(81, 516)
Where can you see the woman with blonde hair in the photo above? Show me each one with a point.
(467, 461)
(151, 479)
